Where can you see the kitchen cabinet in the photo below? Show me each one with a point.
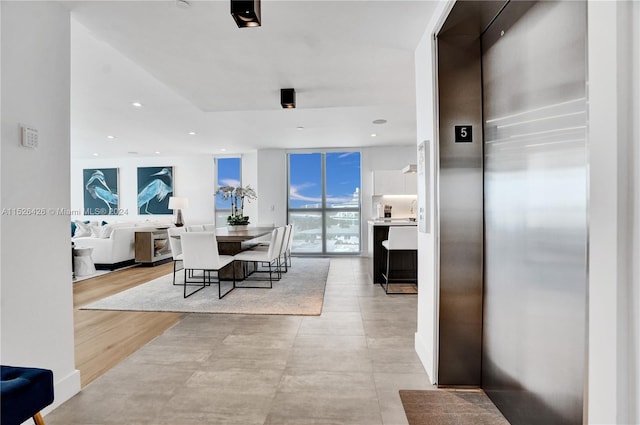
(394, 182)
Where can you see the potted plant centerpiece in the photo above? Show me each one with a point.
(237, 220)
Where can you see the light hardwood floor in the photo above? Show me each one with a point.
(105, 338)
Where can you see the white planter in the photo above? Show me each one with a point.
(237, 227)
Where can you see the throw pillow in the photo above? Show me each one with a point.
(106, 231)
(96, 229)
(82, 229)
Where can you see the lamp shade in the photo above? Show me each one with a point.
(177, 203)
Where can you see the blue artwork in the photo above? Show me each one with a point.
(155, 186)
(100, 191)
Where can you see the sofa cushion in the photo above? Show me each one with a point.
(82, 229)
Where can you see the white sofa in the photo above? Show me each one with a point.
(117, 248)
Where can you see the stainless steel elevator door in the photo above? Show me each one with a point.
(535, 182)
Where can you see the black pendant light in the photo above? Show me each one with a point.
(288, 98)
(246, 13)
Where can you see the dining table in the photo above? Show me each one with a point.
(232, 242)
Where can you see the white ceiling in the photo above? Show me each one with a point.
(351, 62)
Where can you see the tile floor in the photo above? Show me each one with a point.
(343, 367)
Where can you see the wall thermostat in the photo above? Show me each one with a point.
(29, 137)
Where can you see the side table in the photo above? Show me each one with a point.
(82, 261)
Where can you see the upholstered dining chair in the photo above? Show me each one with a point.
(209, 227)
(401, 238)
(200, 253)
(175, 242)
(285, 248)
(267, 257)
(195, 228)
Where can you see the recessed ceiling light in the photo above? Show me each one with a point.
(95, 154)
(132, 153)
(192, 133)
(111, 137)
(223, 149)
(136, 104)
(380, 121)
(157, 153)
(300, 127)
(373, 134)
(183, 4)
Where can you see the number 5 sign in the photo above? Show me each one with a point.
(463, 133)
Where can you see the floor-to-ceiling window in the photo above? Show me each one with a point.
(324, 202)
(228, 174)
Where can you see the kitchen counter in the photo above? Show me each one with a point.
(392, 222)
(379, 231)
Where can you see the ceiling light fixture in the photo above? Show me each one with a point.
(373, 134)
(182, 4)
(136, 104)
(246, 13)
(95, 154)
(300, 128)
(380, 121)
(111, 137)
(288, 98)
(223, 150)
(192, 133)
(157, 153)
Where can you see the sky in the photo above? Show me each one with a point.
(342, 177)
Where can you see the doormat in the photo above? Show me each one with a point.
(449, 407)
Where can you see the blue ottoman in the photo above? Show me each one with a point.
(24, 392)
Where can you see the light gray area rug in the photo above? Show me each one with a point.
(299, 292)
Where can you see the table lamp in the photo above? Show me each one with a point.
(176, 203)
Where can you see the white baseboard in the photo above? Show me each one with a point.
(426, 353)
(64, 389)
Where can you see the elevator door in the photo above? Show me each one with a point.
(535, 183)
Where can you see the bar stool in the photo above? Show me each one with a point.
(401, 239)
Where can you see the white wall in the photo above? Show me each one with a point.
(271, 186)
(36, 295)
(193, 178)
(613, 209)
(426, 339)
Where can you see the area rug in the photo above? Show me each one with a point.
(299, 292)
(443, 407)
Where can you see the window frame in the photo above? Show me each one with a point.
(324, 210)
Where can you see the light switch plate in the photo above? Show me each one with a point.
(29, 137)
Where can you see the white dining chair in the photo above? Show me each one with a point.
(200, 253)
(209, 227)
(287, 251)
(401, 239)
(195, 228)
(175, 243)
(267, 257)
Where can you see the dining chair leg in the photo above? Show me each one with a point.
(174, 272)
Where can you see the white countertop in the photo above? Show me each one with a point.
(392, 222)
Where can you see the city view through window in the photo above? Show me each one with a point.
(228, 174)
(324, 202)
